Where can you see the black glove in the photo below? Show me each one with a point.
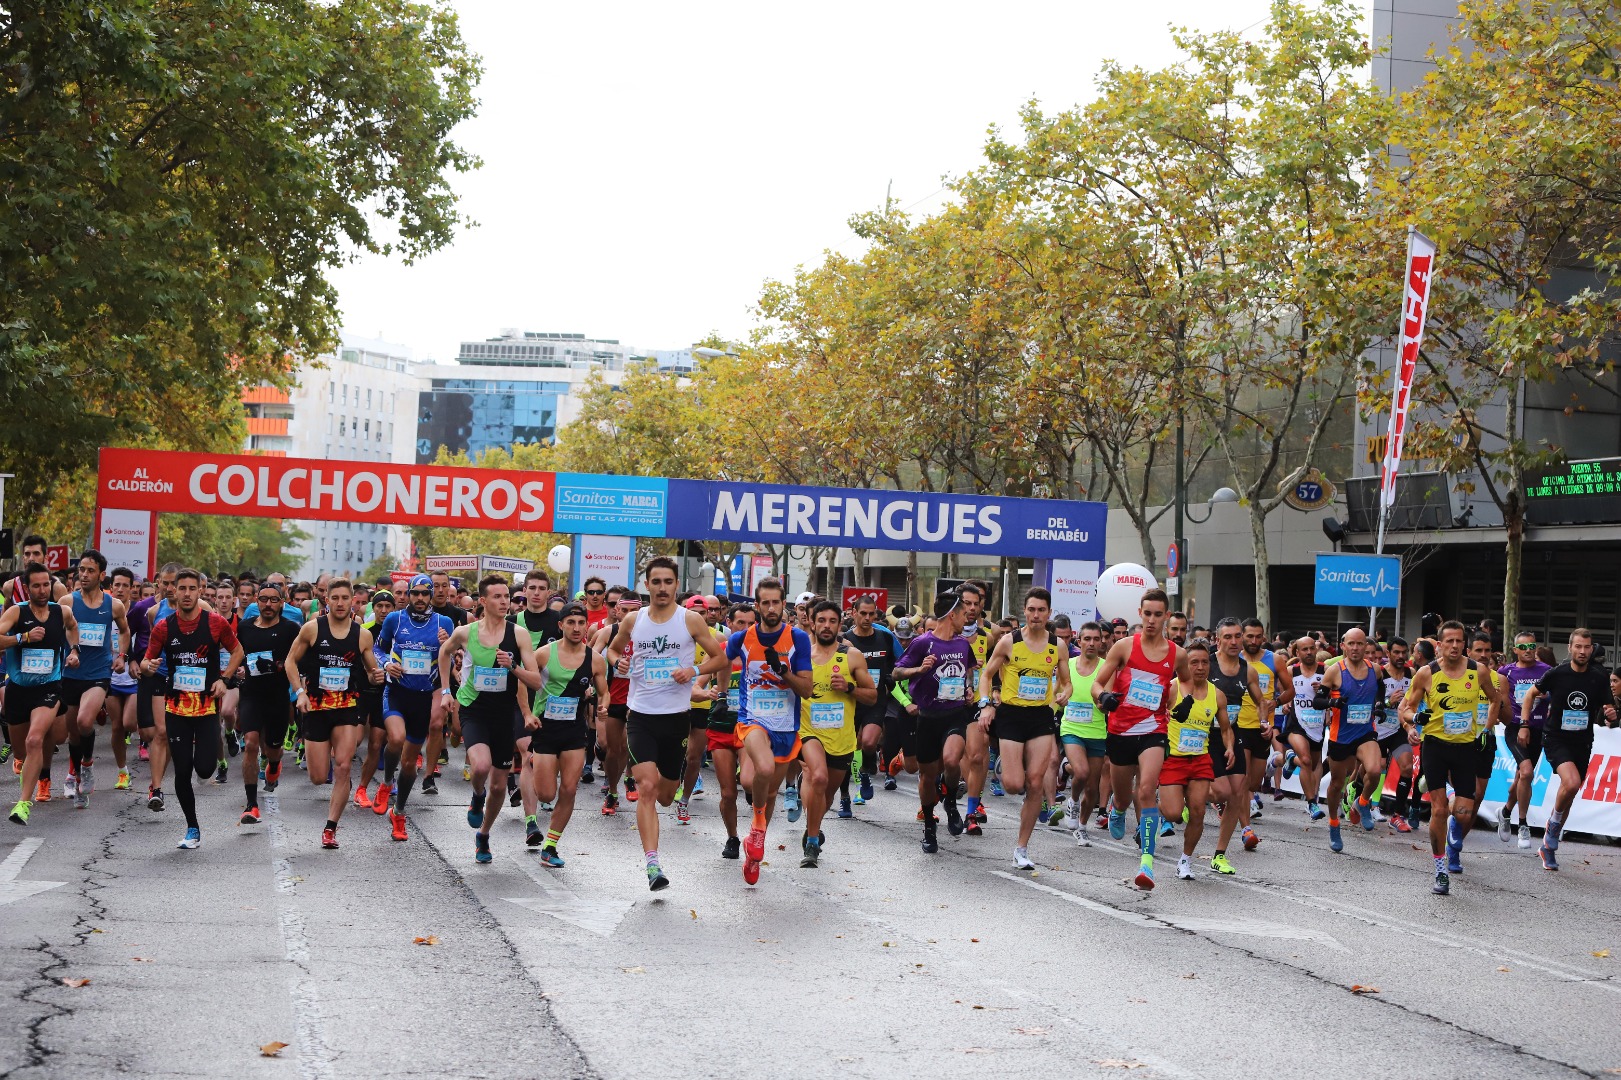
(1380, 710)
(1320, 700)
(1183, 710)
(263, 665)
(1109, 701)
(774, 662)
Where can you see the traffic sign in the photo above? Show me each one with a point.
(56, 558)
(1173, 585)
(1173, 560)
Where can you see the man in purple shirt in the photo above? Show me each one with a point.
(939, 667)
(1522, 674)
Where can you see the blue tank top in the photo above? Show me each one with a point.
(414, 646)
(96, 638)
(1357, 698)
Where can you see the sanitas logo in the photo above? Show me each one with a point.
(1345, 577)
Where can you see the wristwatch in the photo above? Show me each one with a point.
(984, 702)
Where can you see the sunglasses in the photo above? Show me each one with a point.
(594, 592)
(420, 592)
(1525, 648)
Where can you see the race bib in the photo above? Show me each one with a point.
(1457, 723)
(1482, 711)
(1359, 714)
(1388, 726)
(1078, 712)
(1573, 719)
(1310, 721)
(250, 663)
(771, 707)
(1146, 691)
(416, 661)
(1521, 692)
(874, 674)
(92, 635)
(1033, 687)
(190, 679)
(734, 699)
(660, 669)
(1265, 678)
(951, 689)
(39, 661)
(561, 708)
(489, 680)
(1191, 740)
(827, 714)
(333, 679)
(1232, 715)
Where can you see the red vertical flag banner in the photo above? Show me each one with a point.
(1415, 306)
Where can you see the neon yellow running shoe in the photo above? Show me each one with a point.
(123, 780)
(1220, 865)
(20, 812)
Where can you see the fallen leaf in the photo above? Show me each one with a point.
(889, 944)
(140, 960)
(431, 939)
(917, 965)
(1358, 988)
(637, 970)
(975, 940)
(1031, 1031)
(693, 912)
(75, 982)
(1138, 1001)
(1119, 1063)
(1602, 954)
(1191, 975)
(766, 941)
(272, 1049)
(97, 930)
(1502, 969)
(979, 1006)
(782, 847)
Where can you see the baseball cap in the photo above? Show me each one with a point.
(804, 598)
(697, 603)
(420, 581)
(1119, 622)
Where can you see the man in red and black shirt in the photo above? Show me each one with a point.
(189, 642)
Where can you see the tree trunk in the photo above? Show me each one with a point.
(1010, 581)
(1263, 586)
(828, 588)
(911, 580)
(1148, 548)
(859, 557)
(1513, 549)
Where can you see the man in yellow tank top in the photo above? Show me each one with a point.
(827, 721)
(1034, 672)
(1255, 728)
(1184, 780)
(1449, 754)
(977, 748)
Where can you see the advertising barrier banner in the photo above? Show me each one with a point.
(1075, 589)
(128, 538)
(1359, 581)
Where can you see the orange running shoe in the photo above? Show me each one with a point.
(380, 801)
(43, 792)
(1251, 840)
(361, 798)
(329, 839)
(896, 764)
(631, 793)
(398, 821)
(250, 816)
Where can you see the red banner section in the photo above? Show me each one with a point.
(249, 485)
(877, 596)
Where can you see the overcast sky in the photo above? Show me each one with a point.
(647, 167)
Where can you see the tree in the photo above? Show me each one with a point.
(1515, 171)
(442, 540)
(217, 545)
(178, 180)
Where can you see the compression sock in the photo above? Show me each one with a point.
(973, 806)
(1555, 826)
(391, 763)
(402, 791)
(253, 793)
(1440, 864)
(759, 819)
(553, 836)
(1150, 830)
(1404, 790)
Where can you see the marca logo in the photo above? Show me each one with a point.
(1604, 779)
(1132, 579)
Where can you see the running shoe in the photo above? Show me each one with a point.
(1255, 806)
(698, 786)
(1021, 859)
(1399, 823)
(144, 752)
(398, 822)
(1414, 813)
(361, 798)
(889, 783)
(1251, 840)
(80, 800)
(733, 848)
(5, 752)
(587, 776)
(683, 816)
(250, 816)
(533, 834)
(20, 811)
(1117, 822)
(222, 772)
(272, 775)
(430, 785)
(122, 783)
(1220, 865)
(979, 814)
(1315, 812)
(995, 783)
(812, 849)
(1334, 841)
(70, 786)
(1166, 829)
(481, 848)
(610, 805)
(1443, 884)
(232, 746)
(790, 800)
(154, 800)
(329, 839)
(1550, 861)
(1353, 814)
(1184, 868)
(1145, 874)
(87, 778)
(1045, 815)
(550, 857)
(753, 855)
(192, 840)
(630, 790)
(380, 801)
(931, 836)
(954, 822)
(467, 772)
(1081, 839)
(656, 880)
(1056, 818)
(1505, 827)
(1367, 818)
(1290, 764)
(971, 827)
(866, 789)
(42, 791)
(1525, 838)
(844, 807)
(544, 807)
(475, 810)
(514, 796)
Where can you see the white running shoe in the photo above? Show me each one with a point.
(1184, 868)
(1021, 859)
(1504, 828)
(1081, 839)
(1525, 838)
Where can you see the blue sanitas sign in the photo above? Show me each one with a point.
(1359, 581)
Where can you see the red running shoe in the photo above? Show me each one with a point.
(1250, 839)
(398, 821)
(329, 839)
(380, 801)
(250, 816)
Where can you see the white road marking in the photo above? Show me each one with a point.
(600, 917)
(315, 1057)
(12, 890)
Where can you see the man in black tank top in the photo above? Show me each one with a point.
(40, 638)
(574, 685)
(1230, 674)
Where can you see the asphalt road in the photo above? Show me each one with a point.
(883, 962)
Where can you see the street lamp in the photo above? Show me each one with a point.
(1222, 495)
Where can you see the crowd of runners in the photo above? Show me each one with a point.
(371, 689)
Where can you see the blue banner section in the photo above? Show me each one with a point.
(894, 520)
(1360, 581)
(610, 505)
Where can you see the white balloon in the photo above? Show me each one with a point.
(1121, 588)
(558, 558)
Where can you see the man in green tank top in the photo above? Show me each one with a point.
(1082, 731)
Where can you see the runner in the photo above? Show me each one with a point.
(827, 721)
(264, 710)
(1238, 682)
(326, 663)
(576, 682)
(596, 611)
(613, 745)
(40, 638)
(413, 708)
(1255, 728)
(1304, 730)
(144, 617)
(1393, 744)
(102, 625)
(190, 641)
(1184, 781)
(938, 665)
(1176, 629)
(1499, 705)
(722, 737)
(376, 731)
(496, 661)
(121, 689)
(979, 751)
(1450, 688)
(1579, 696)
(34, 550)
(1084, 733)
(1034, 681)
(540, 622)
(223, 597)
(705, 691)
(1524, 673)
(660, 645)
(882, 652)
(1138, 671)
(1352, 695)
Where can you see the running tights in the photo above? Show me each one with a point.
(194, 746)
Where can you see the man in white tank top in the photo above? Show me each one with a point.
(662, 666)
